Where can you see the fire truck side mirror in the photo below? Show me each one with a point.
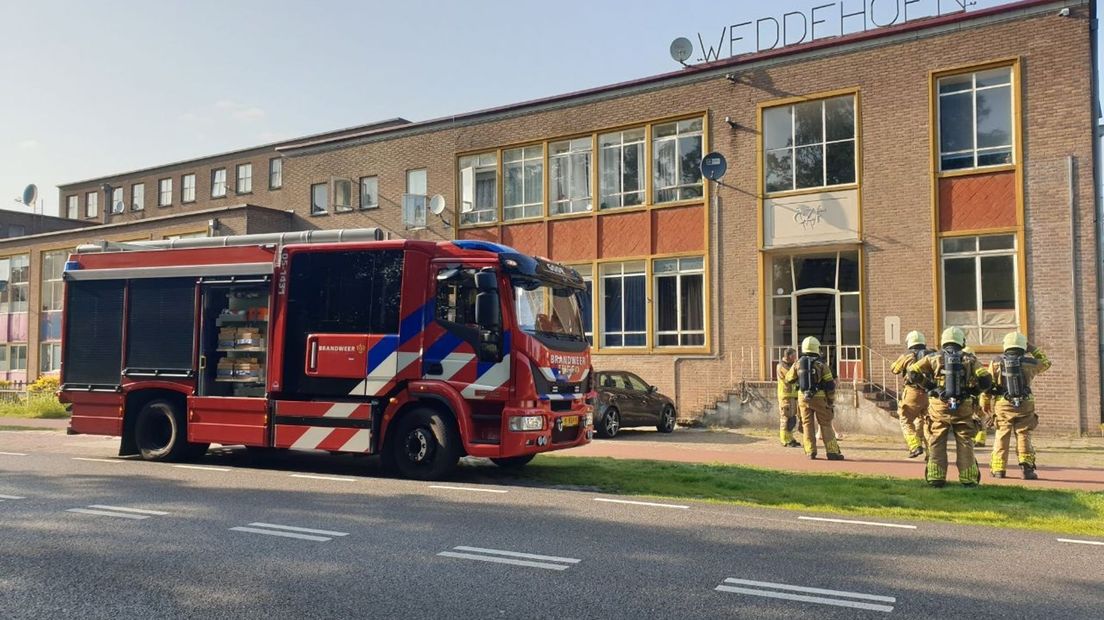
(486, 280)
(488, 314)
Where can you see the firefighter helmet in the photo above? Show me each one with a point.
(1015, 340)
(810, 345)
(915, 339)
(953, 335)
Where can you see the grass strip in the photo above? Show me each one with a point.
(1050, 510)
(36, 405)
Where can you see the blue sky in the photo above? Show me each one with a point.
(89, 90)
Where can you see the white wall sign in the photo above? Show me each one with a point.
(827, 217)
(893, 330)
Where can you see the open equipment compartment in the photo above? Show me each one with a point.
(234, 337)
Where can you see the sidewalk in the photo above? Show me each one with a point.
(58, 424)
(1066, 463)
(1073, 463)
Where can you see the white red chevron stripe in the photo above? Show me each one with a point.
(340, 411)
(323, 438)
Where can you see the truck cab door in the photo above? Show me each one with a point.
(453, 342)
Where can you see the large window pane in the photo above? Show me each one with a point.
(975, 119)
(808, 123)
(782, 322)
(621, 169)
(849, 271)
(998, 284)
(523, 182)
(815, 271)
(850, 320)
(320, 200)
(960, 284)
(676, 165)
(956, 118)
(994, 117)
(809, 166)
(816, 150)
(840, 165)
(624, 321)
(779, 170)
(478, 189)
(569, 173)
(680, 302)
(782, 275)
(839, 118)
(778, 128)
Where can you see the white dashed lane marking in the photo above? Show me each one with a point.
(850, 522)
(4, 497)
(498, 556)
(1081, 542)
(635, 503)
(333, 478)
(12, 454)
(836, 598)
(472, 489)
(202, 467)
(118, 511)
(81, 458)
(289, 531)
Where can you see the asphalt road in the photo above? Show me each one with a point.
(86, 534)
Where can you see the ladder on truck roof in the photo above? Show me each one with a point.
(277, 239)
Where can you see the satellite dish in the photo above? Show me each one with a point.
(118, 207)
(713, 166)
(437, 204)
(30, 194)
(681, 49)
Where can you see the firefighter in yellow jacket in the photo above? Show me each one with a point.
(1012, 402)
(787, 400)
(816, 399)
(953, 381)
(912, 404)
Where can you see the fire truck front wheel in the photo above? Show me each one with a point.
(424, 446)
(159, 432)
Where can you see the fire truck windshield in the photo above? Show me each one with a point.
(548, 312)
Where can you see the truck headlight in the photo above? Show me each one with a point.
(527, 423)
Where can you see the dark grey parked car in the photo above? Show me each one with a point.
(625, 399)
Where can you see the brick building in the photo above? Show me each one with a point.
(938, 172)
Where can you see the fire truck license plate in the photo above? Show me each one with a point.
(570, 420)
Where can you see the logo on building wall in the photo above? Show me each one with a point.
(808, 216)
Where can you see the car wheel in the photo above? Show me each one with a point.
(666, 420)
(425, 446)
(159, 432)
(611, 424)
(514, 462)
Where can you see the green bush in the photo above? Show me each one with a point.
(35, 405)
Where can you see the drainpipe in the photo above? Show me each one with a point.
(1098, 201)
(1071, 197)
(714, 284)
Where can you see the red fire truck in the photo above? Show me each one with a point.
(418, 351)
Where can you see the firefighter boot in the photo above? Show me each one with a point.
(835, 456)
(915, 452)
(1029, 472)
(996, 473)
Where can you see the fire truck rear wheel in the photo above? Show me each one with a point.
(160, 433)
(514, 462)
(425, 445)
